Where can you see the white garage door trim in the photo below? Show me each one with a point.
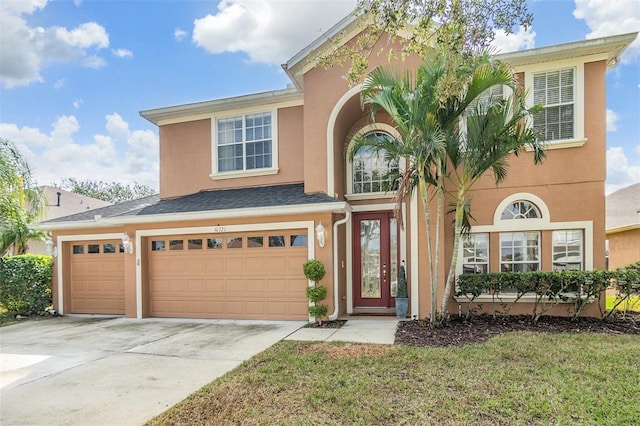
(65, 238)
(271, 226)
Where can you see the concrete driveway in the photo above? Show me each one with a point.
(117, 371)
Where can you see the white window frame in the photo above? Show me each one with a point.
(543, 224)
(216, 174)
(560, 102)
(578, 99)
(371, 128)
(566, 246)
(465, 239)
(526, 247)
(507, 93)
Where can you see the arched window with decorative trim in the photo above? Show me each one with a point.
(371, 172)
(521, 209)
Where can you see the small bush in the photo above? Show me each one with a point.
(314, 270)
(25, 284)
(551, 288)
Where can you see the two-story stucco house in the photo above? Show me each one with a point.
(253, 186)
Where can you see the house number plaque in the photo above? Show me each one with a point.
(219, 229)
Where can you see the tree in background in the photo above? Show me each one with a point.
(461, 27)
(21, 201)
(113, 192)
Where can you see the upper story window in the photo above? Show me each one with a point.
(244, 143)
(521, 209)
(555, 91)
(371, 172)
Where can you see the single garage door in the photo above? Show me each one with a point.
(248, 276)
(97, 277)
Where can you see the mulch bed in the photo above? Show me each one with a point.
(326, 324)
(459, 332)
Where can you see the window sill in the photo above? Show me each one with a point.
(244, 174)
(370, 196)
(561, 144)
(511, 298)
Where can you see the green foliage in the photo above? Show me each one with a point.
(318, 311)
(113, 192)
(314, 270)
(316, 293)
(402, 283)
(551, 288)
(460, 27)
(25, 284)
(22, 202)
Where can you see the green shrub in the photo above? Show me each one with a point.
(314, 271)
(316, 293)
(25, 284)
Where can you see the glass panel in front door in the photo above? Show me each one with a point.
(370, 259)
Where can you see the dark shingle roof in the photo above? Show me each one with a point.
(228, 199)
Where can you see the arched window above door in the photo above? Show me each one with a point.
(371, 173)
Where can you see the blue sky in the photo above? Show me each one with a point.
(75, 74)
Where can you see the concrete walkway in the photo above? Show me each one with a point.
(378, 330)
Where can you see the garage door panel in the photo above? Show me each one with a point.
(215, 286)
(255, 287)
(237, 281)
(256, 264)
(97, 279)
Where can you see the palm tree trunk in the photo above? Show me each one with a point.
(427, 217)
(440, 202)
(456, 247)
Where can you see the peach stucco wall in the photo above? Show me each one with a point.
(324, 254)
(624, 248)
(185, 156)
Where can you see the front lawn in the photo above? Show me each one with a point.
(513, 378)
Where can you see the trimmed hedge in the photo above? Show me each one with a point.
(25, 284)
(551, 288)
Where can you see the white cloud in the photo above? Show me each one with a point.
(519, 40)
(57, 154)
(179, 34)
(77, 103)
(117, 127)
(620, 172)
(122, 53)
(607, 17)
(268, 31)
(612, 120)
(33, 48)
(59, 84)
(94, 61)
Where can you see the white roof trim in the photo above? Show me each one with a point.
(613, 46)
(337, 206)
(207, 107)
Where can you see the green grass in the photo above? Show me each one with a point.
(632, 304)
(515, 378)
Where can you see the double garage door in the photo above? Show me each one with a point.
(246, 275)
(97, 277)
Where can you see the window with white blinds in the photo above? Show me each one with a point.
(555, 91)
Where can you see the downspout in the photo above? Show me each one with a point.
(347, 216)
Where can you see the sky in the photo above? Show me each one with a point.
(75, 74)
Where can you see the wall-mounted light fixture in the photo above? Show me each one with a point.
(127, 243)
(51, 248)
(320, 234)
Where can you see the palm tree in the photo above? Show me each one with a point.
(21, 201)
(412, 104)
(433, 144)
(495, 129)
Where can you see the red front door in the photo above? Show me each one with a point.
(375, 259)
